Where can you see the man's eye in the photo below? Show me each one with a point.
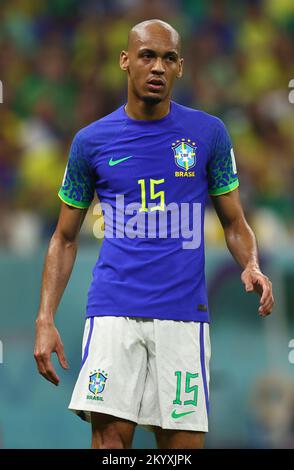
(147, 55)
(171, 58)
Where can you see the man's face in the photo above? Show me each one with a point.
(152, 62)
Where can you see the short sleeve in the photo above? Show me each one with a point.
(78, 185)
(222, 171)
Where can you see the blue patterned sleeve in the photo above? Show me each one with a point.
(222, 171)
(78, 184)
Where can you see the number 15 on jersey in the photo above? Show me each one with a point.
(153, 195)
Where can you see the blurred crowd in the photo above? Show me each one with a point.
(59, 71)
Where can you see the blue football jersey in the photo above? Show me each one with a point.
(152, 179)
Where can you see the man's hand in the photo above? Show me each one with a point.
(47, 342)
(254, 280)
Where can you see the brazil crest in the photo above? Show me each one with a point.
(185, 154)
(97, 382)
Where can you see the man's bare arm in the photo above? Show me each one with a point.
(59, 263)
(242, 244)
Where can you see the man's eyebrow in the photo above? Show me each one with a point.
(152, 51)
(174, 53)
(146, 49)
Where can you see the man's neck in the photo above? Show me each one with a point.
(138, 109)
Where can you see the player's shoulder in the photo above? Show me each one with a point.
(198, 117)
(103, 128)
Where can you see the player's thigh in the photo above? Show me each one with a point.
(178, 439)
(111, 432)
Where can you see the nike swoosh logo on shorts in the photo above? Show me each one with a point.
(176, 415)
(115, 162)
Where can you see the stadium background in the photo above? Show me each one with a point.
(59, 70)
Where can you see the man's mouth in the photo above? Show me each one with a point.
(155, 84)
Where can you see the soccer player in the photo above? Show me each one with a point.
(146, 346)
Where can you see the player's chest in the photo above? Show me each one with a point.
(177, 159)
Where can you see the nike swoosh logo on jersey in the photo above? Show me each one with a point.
(115, 162)
(176, 415)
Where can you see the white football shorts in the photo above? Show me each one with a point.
(149, 371)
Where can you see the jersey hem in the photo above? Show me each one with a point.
(226, 189)
(198, 317)
(72, 202)
(79, 407)
(172, 425)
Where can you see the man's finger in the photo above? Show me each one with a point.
(61, 357)
(248, 284)
(249, 287)
(39, 357)
(260, 286)
(266, 293)
(42, 370)
(49, 378)
(40, 364)
(49, 372)
(267, 307)
(50, 375)
(264, 312)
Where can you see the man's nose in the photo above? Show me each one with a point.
(158, 66)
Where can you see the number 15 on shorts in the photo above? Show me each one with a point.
(193, 389)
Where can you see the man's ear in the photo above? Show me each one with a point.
(124, 60)
(181, 65)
